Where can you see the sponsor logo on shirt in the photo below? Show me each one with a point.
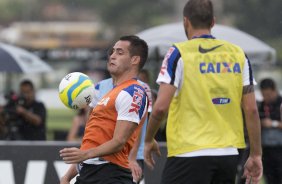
(220, 101)
(219, 67)
(206, 50)
(136, 100)
(104, 101)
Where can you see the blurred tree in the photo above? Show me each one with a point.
(258, 17)
(127, 16)
(122, 16)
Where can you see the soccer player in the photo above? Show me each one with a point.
(136, 156)
(204, 82)
(110, 131)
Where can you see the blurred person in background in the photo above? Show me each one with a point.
(204, 82)
(3, 128)
(24, 116)
(270, 115)
(78, 125)
(113, 124)
(144, 76)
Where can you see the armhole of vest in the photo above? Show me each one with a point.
(250, 70)
(174, 67)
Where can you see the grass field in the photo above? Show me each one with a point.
(59, 120)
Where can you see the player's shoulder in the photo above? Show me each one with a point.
(143, 84)
(172, 51)
(134, 88)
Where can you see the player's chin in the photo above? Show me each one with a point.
(112, 69)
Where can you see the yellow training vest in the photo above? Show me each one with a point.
(207, 111)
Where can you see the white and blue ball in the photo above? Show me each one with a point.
(76, 90)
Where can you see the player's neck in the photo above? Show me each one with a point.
(124, 77)
(198, 33)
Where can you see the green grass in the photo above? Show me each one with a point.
(58, 120)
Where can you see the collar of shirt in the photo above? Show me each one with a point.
(204, 36)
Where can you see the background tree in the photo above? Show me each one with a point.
(259, 18)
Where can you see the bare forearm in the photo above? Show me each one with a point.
(153, 125)
(107, 148)
(160, 109)
(252, 120)
(254, 133)
(71, 173)
(134, 150)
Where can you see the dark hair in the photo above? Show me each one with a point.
(199, 12)
(138, 47)
(27, 83)
(267, 84)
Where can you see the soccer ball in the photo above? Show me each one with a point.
(76, 90)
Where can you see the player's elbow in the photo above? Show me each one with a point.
(160, 110)
(119, 143)
(251, 111)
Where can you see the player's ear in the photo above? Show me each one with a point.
(213, 22)
(135, 60)
(185, 22)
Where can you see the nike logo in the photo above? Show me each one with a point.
(203, 51)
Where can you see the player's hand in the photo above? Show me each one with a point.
(253, 170)
(135, 170)
(73, 155)
(150, 148)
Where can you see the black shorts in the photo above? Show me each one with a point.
(104, 174)
(200, 170)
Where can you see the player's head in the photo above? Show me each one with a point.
(268, 90)
(137, 47)
(129, 52)
(198, 14)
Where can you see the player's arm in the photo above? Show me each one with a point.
(252, 120)
(133, 153)
(133, 164)
(70, 174)
(123, 131)
(160, 109)
(253, 165)
(170, 80)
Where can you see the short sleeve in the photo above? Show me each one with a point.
(172, 68)
(131, 104)
(248, 78)
(148, 92)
